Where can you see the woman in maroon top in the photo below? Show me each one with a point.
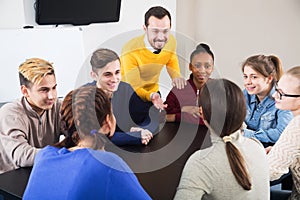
(182, 104)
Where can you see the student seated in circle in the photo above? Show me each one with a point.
(234, 167)
(33, 121)
(135, 124)
(263, 120)
(284, 155)
(78, 167)
(183, 103)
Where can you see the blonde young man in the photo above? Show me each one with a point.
(32, 122)
(143, 57)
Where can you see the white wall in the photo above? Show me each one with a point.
(186, 29)
(11, 14)
(68, 51)
(237, 29)
(62, 47)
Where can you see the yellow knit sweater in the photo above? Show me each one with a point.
(141, 68)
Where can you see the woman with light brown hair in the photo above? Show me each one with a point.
(234, 167)
(263, 120)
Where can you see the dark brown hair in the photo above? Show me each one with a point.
(101, 57)
(265, 65)
(158, 12)
(83, 112)
(224, 108)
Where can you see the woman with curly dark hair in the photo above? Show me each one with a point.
(78, 167)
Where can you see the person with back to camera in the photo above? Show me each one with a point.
(183, 104)
(234, 167)
(284, 155)
(263, 120)
(78, 167)
(32, 122)
(134, 125)
(143, 58)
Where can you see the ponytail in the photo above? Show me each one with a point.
(237, 165)
(265, 65)
(219, 95)
(277, 67)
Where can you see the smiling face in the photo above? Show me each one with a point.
(202, 66)
(255, 83)
(288, 85)
(158, 31)
(41, 96)
(108, 77)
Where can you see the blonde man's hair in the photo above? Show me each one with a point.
(33, 70)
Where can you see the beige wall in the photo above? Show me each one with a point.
(236, 29)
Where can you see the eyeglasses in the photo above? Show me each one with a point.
(281, 94)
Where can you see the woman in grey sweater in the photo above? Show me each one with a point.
(234, 167)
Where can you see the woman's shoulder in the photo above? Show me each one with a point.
(251, 142)
(251, 146)
(47, 151)
(204, 155)
(110, 159)
(294, 123)
(297, 119)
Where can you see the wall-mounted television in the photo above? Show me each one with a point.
(76, 12)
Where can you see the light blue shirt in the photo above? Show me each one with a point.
(264, 121)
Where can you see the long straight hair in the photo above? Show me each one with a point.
(223, 101)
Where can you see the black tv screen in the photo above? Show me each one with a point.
(77, 12)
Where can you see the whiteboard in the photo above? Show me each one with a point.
(61, 46)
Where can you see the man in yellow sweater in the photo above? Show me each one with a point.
(143, 57)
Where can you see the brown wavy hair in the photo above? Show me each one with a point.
(265, 65)
(83, 112)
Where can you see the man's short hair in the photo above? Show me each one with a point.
(158, 12)
(101, 57)
(33, 70)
